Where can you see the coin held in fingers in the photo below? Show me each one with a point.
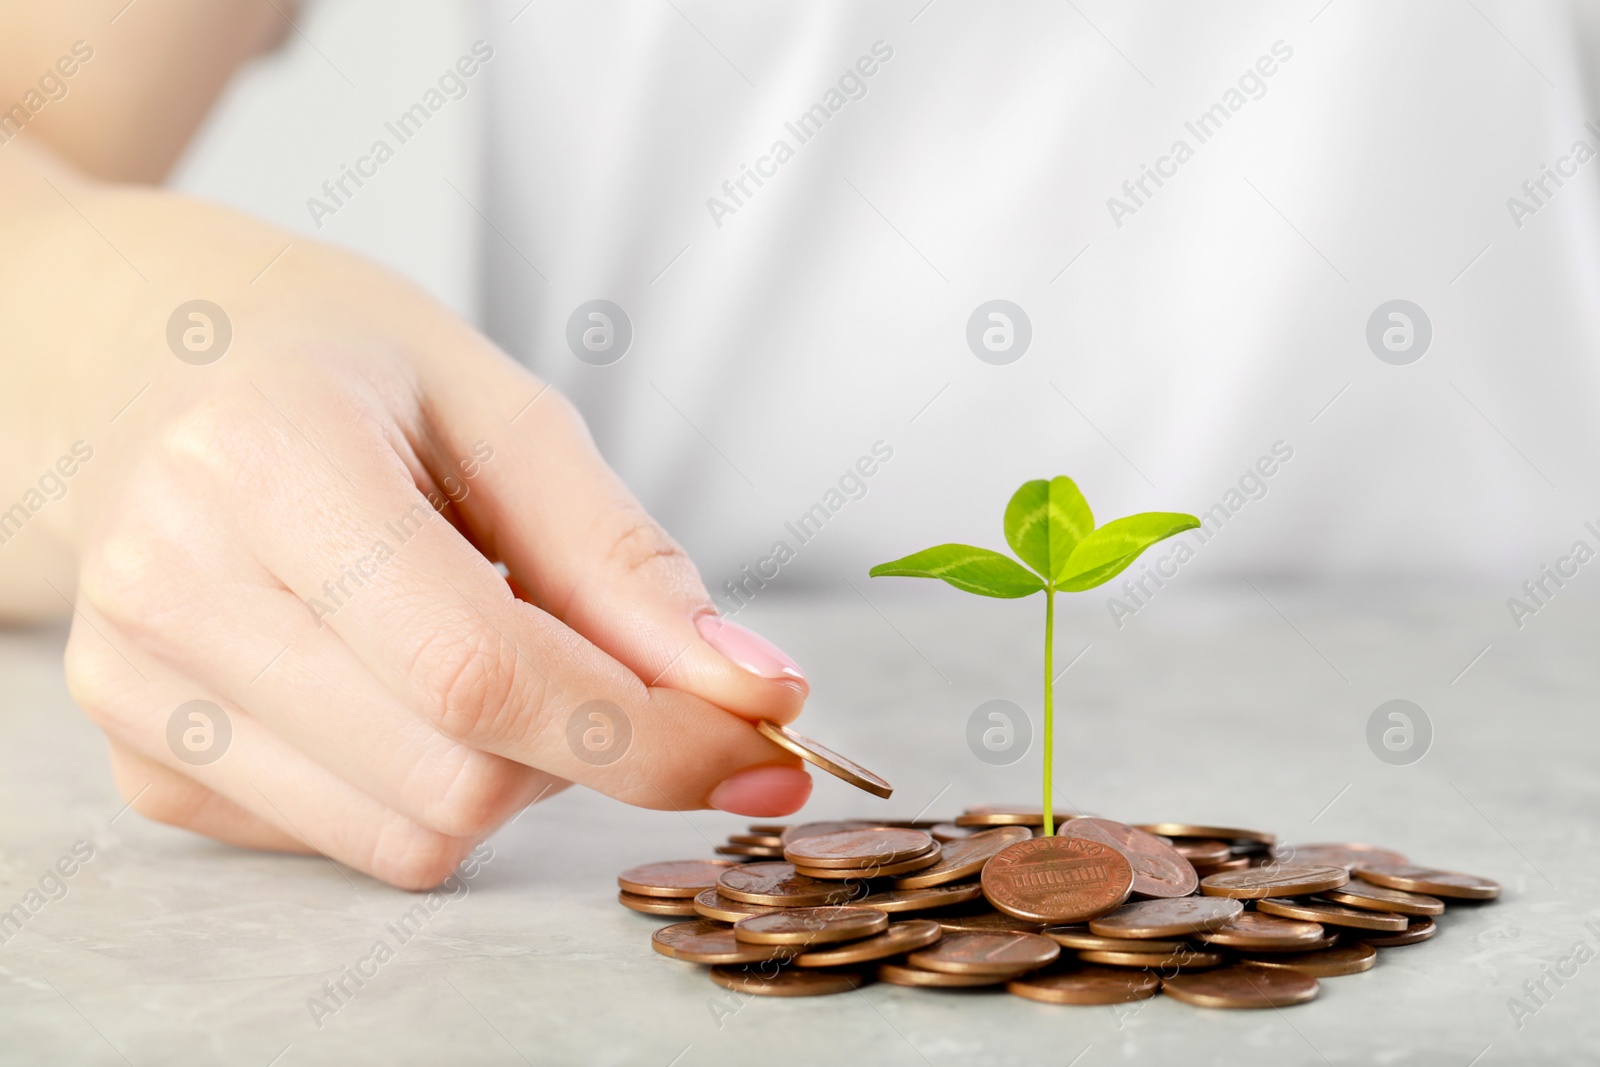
(839, 766)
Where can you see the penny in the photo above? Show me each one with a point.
(888, 870)
(840, 767)
(792, 834)
(1008, 815)
(1216, 833)
(1329, 939)
(1186, 958)
(666, 938)
(778, 884)
(811, 926)
(769, 828)
(937, 896)
(964, 858)
(1079, 937)
(1236, 863)
(1328, 914)
(1348, 959)
(656, 905)
(1057, 879)
(986, 953)
(765, 980)
(764, 840)
(1284, 880)
(900, 938)
(1416, 930)
(987, 921)
(762, 852)
(1159, 870)
(1241, 986)
(875, 847)
(674, 878)
(1360, 893)
(1255, 930)
(1201, 852)
(1166, 918)
(1347, 855)
(899, 974)
(713, 905)
(945, 832)
(1450, 884)
(722, 947)
(1086, 985)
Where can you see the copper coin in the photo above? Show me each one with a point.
(1416, 930)
(1215, 833)
(769, 828)
(1201, 852)
(778, 884)
(760, 852)
(1449, 884)
(1255, 930)
(1086, 985)
(768, 980)
(900, 938)
(899, 974)
(1183, 959)
(713, 905)
(1331, 963)
(1008, 815)
(656, 905)
(1320, 911)
(888, 870)
(1173, 917)
(986, 953)
(962, 859)
(840, 767)
(722, 947)
(1159, 870)
(946, 832)
(1241, 986)
(1329, 939)
(875, 847)
(987, 921)
(1236, 863)
(1348, 855)
(937, 896)
(792, 834)
(811, 926)
(1057, 879)
(674, 878)
(666, 938)
(1284, 880)
(764, 840)
(1078, 937)
(1360, 893)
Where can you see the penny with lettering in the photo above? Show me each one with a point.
(770, 980)
(1257, 930)
(986, 953)
(811, 926)
(1086, 985)
(1159, 870)
(1329, 914)
(1283, 880)
(1057, 879)
(1449, 884)
(1244, 985)
(1360, 893)
(962, 859)
(875, 847)
(777, 883)
(898, 939)
(673, 878)
(1172, 917)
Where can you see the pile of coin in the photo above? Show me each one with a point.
(1101, 912)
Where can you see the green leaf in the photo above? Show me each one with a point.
(975, 570)
(1105, 553)
(1044, 523)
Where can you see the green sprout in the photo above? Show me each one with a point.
(1051, 529)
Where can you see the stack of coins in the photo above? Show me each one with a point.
(1100, 913)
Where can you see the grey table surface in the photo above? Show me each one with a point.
(1231, 704)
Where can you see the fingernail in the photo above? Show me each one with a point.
(748, 649)
(762, 791)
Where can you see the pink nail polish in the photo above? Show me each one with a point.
(762, 792)
(748, 649)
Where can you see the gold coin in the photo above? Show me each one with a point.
(722, 947)
(987, 921)
(1159, 870)
(899, 974)
(1321, 911)
(1241, 986)
(769, 980)
(666, 938)
(1449, 884)
(900, 938)
(1360, 893)
(829, 760)
(1172, 917)
(876, 847)
(1330, 963)
(938, 896)
(810, 926)
(1256, 930)
(888, 870)
(1186, 959)
(986, 953)
(1008, 815)
(1287, 880)
(964, 858)
(1417, 930)
(674, 878)
(713, 905)
(1216, 833)
(656, 905)
(1077, 936)
(1348, 855)
(1086, 985)
(779, 884)
(1057, 879)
